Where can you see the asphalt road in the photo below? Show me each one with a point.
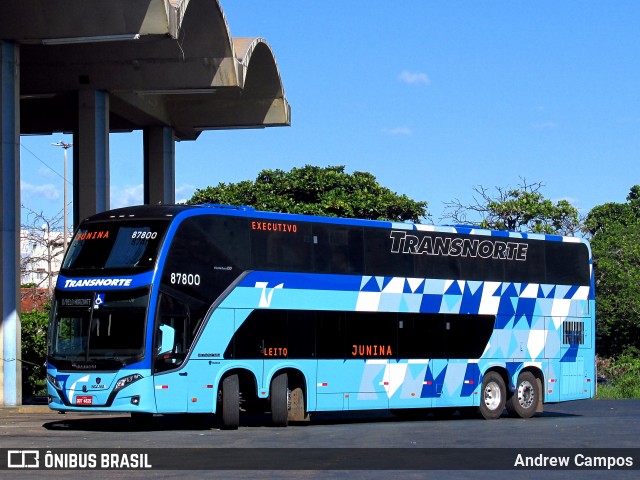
(585, 427)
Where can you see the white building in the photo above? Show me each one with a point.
(41, 253)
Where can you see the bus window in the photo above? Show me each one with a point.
(129, 246)
(281, 246)
(173, 316)
(371, 335)
(421, 335)
(337, 249)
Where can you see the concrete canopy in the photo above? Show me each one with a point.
(165, 63)
(91, 67)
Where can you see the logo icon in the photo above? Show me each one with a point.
(23, 459)
(98, 380)
(265, 298)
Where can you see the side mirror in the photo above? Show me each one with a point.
(167, 339)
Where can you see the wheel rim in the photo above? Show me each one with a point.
(492, 396)
(526, 395)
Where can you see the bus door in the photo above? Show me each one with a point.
(214, 344)
(173, 338)
(572, 368)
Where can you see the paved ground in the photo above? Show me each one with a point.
(585, 426)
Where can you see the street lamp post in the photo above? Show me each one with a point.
(46, 233)
(66, 146)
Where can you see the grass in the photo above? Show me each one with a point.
(621, 376)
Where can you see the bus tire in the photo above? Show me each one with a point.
(493, 396)
(524, 401)
(231, 403)
(280, 400)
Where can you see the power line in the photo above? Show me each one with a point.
(46, 165)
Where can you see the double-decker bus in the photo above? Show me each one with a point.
(217, 309)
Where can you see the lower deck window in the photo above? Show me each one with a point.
(308, 334)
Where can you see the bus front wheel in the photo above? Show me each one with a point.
(231, 403)
(524, 401)
(493, 397)
(280, 400)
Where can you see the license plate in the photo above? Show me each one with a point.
(84, 400)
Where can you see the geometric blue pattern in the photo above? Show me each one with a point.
(527, 330)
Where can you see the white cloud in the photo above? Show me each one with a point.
(127, 195)
(134, 195)
(184, 192)
(46, 191)
(399, 131)
(46, 172)
(414, 78)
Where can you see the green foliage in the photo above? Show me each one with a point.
(610, 214)
(615, 242)
(622, 375)
(314, 190)
(34, 352)
(523, 208)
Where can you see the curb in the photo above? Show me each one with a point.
(26, 409)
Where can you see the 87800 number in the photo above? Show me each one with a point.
(185, 279)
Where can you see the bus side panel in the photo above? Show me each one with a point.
(201, 389)
(531, 321)
(206, 364)
(407, 384)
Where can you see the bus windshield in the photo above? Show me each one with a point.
(128, 245)
(99, 327)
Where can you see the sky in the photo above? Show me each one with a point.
(434, 98)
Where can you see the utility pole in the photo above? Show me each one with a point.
(66, 146)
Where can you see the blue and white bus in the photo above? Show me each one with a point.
(217, 309)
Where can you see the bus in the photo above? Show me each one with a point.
(220, 309)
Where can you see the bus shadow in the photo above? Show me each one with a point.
(129, 424)
(195, 422)
(434, 415)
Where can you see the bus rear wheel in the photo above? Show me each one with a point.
(280, 400)
(524, 401)
(493, 396)
(231, 402)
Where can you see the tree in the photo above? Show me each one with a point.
(314, 190)
(522, 208)
(34, 352)
(615, 243)
(614, 214)
(42, 247)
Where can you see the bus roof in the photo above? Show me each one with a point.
(183, 210)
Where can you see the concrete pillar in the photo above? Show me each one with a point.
(11, 378)
(91, 155)
(159, 166)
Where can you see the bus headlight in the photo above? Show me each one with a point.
(126, 381)
(53, 381)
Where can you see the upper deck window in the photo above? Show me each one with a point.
(115, 245)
